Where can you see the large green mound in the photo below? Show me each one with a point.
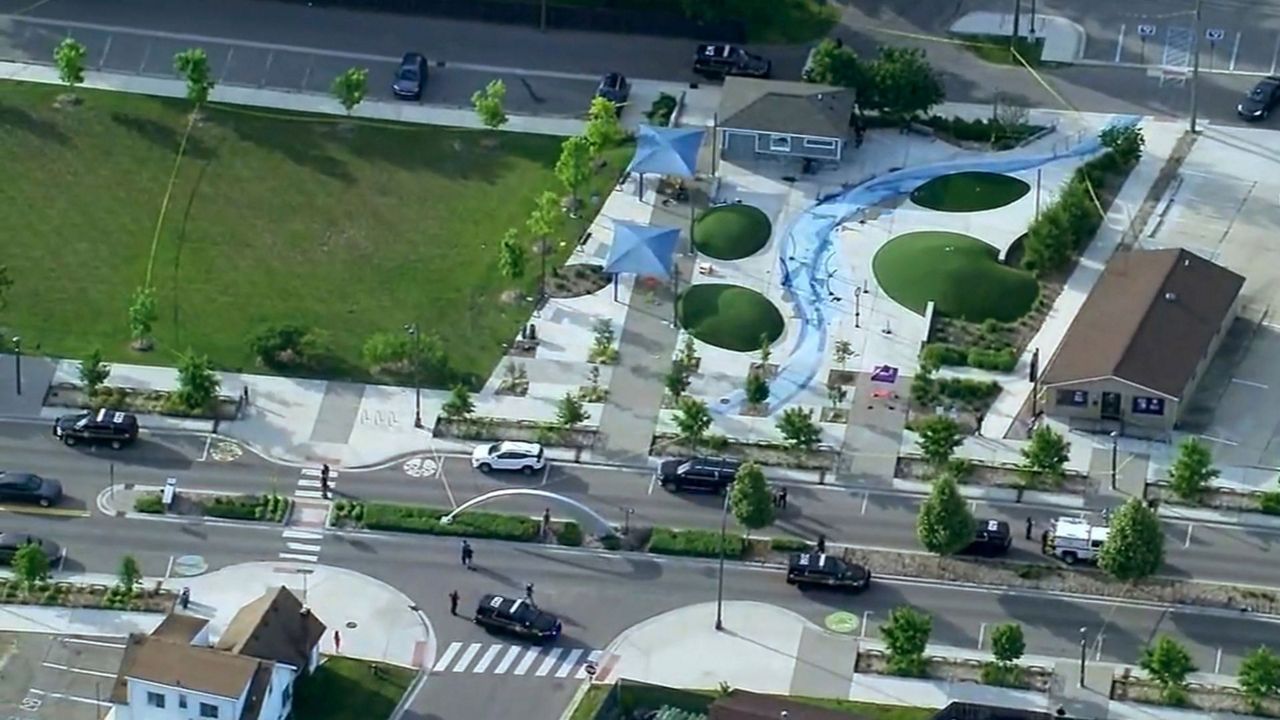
(731, 232)
(729, 316)
(969, 192)
(959, 273)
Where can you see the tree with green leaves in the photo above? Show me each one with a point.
(350, 88)
(1135, 543)
(1192, 470)
(193, 66)
(834, 64)
(1260, 676)
(1168, 663)
(512, 256)
(797, 427)
(903, 84)
(938, 436)
(544, 221)
(604, 127)
(750, 498)
(570, 412)
(30, 565)
(129, 574)
(142, 317)
(1045, 455)
(487, 102)
(944, 524)
(843, 351)
(766, 352)
(757, 389)
(688, 356)
(836, 395)
(906, 636)
(69, 58)
(677, 379)
(459, 406)
(573, 168)
(1125, 140)
(93, 371)
(197, 383)
(1007, 643)
(693, 420)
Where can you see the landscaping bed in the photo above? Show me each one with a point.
(81, 595)
(912, 468)
(774, 454)
(1209, 698)
(424, 519)
(1028, 677)
(142, 402)
(489, 428)
(577, 280)
(267, 507)
(1222, 499)
(631, 699)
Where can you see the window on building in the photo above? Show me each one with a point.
(821, 143)
(155, 699)
(1148, 406)
(780, 143)
(208, 711)
(182, 702)
(1073, 398)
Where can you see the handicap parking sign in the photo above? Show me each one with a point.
(1145, 30)
(1214, 34)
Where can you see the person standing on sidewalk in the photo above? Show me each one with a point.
(822, 543)
(782, 498)
(324, 481)
(528, 592)
(467, 554)
(546, 524)
(453, 602)
(1030, 526)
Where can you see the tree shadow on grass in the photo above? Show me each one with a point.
(163, 136)
(448, 153)
(41, 129)
(298, 141)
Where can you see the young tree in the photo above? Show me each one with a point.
(350, 87)
(1007, 643)
(93, 372)
(798, 428)
(602, 349)
(750, 498)
(570, 412)
(604, 128)
(544, 221)
(903, 84)
(766, 352)
(488, 104)
(844, 351)
(1126, 141)
(693, 420)
(193, 66)
(836, 395)
(1168, 663)
(30, 564)
(907, 635)
(688, 356)
(142, 317)
(69, 57)
(574, 166)
(1192, 470)
(459, 406)
(1260, 676)
(938, 437)
(1135, 543)
(1046, 454)
(129, 574)
(757, 389)
(197, 383)
(944, 525)
(835, 64)
(677, 379)
(512, 256)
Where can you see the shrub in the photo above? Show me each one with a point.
(1269, 503)
(570, 534)
(966, 391)
(285, 346)
(999, 360)
(611, 542)
(938, 354)
(659, 113)
(1002, 675)
(786, 544)
(234, 507)
(423, 519)
(695, 543)
(149, 503)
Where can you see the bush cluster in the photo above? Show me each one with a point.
(786, 544)
(988, 130)
(149, 503)
(268, 506)
(424, 519)
(1066, 226)
(928, 390)
(696, 543)
(570, 533)
(1269, 503)
(662, 109)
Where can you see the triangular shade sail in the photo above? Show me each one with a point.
(642, 250)
(666, 151)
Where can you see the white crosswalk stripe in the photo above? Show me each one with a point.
(467, 656)
(512, 653)
(315, 473)
(447, 657)
(518, 660)
(526, 661)
(549, 662)
(592, 658)
(302, 547)
(486, 659)
(298, 556)
(302, 535)
(310, 494)
(567, 666)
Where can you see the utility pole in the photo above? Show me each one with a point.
(1033, 18)
(1017, 17)
(724, 522)
(1195, 65)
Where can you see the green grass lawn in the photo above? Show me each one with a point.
(996, 49)
(348, 228)
(729, 316)
(344, 689)
(969, 192)
(731, 232)
(638, 697)
(959, 273)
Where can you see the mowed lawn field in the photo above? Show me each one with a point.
(349, 228)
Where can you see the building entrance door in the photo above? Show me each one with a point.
(1111, 405)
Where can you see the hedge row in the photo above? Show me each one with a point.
(423, 519)
(695, 543)
(939, 354)
(269, 506)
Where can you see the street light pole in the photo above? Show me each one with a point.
(1195, 66)
(1017, 18)
(412, 329)
(1084, 643)
(17, 363)
(724, 523)
(1115, 450)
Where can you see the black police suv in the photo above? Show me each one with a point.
(991, 538)
(821, 570)
(518, 617)
(109, 427)
(1261, 100)
(705, 474)
(719, 61)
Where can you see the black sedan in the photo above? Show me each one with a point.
(28, 488)
(1261, 100)
(614, 88)
(518, 617)
(11, 543)
(411, 77)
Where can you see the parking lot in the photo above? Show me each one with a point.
(290, 68)
(57, 677)
(1167, 40)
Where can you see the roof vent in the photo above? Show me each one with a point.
(1170, 296)
(1186, 262)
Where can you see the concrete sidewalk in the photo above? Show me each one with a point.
(1064, 39)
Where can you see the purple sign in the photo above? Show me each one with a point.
(885, 374)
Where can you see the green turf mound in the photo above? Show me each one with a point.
(969, 192)
(729, 316)
(731, 232)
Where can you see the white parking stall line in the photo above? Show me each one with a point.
(1250, 383)
(94, 643)
(1187, 543)
(1235, 51)
(487, 659)
(548, 663)
(302, 535)
(82, 671)
(866, 497)
(299, 557)
(567, 666)
(302, 547)
(592, 659)
(467, 657)
(505, 664)
(77, 698)
(526, 661)
(447, 657)
(1120, 42)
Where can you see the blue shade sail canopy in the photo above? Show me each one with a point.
(642, 250)
(667, 151)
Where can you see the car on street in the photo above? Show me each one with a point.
(705, 474)
(525, 457)
(615, 88)
(12, 542)
(718, 61)
(1261, 100)
(109, 427)
(990, 538)
(411, 77)
(21, 487)
(813, 569)
(517, 616)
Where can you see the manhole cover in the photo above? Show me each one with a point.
(225, 451)
(189, 565)
(842, 622)
(420, 467)
(351, 624)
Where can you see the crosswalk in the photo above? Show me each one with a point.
(303, 535)
(521, 660)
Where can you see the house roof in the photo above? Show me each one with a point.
(179, 628)
(179, 664)
(1150, 319)
(793, 108)
(277, 627)
(258, 688)
(743, 705)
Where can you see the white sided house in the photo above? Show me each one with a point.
(776, 119)
(176, 673)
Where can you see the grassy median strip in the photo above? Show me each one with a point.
(695, 543)
(267, 507)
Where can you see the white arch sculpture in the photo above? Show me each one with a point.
(603, 527)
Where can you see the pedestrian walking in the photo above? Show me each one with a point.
(324, 481)
(1044, 540)
(453, 602)
(822, 543)
(1030, 524)
(528, 592)
(467, 554)
(337, 643)
(546, 522)
(782, 499)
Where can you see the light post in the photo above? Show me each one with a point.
(1195, 66)
(1115, 450)
(724, 523)
(414, 337)
(1084, 642)
(17, 363)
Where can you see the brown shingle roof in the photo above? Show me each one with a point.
(179, 628)
(743, 705)
(1149, 320)
(785, 107)
(274, 627)
(182, 665)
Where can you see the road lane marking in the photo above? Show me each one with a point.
(1187, 543)
(569, 662)
(447, 657)
(1217, 662)
(1220, 441)
(866, 497)
(302, 535)
(313, 472)
(486, 659)
(1275, 55)
(467, 656)
(546, 470)
(982, 634)
(592, 659)
(1235, 50)
(550, 661)
(503, 665)
(302, 547)
(1250, 383)
(296, 556)
(37, 510)
(208, 440)
(526, 661)
(1120, 42)
(309, 494)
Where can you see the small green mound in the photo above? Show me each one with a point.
(729, 316)
(731, 232)
(969, 192)
(959, 273)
